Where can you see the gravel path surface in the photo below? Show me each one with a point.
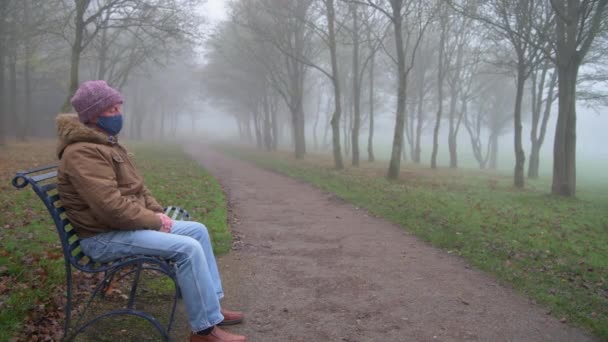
(308, 267)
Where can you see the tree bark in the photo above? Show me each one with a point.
(452, 131)
(27, 112)
(537, 137)
(419, 118)
(13, 114)
(267, 124)
(577, 24)
(2, 92)
(275, 124)
(315, 125)
(3, 49)
(440, 77)
(81, 7)
(493, 151)
(395, 163)
(455, 91)
(103, 50)
(370, 138)
(335, 120)
(356, 89)
(520, 158)
(564, 147)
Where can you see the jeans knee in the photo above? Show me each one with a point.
(190, 249)
(202, 231)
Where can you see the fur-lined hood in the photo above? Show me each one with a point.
(70, 130)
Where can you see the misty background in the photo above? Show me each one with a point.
(212, 70)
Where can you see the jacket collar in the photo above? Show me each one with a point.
(70, 130)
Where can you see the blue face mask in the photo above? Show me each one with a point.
(111, 124)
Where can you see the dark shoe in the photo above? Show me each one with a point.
(231, 317)
(217, 335)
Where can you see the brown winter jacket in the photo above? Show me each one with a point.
(98, 184)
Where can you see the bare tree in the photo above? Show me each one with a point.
(492, 103)
(441, 64)
(518, 23)
(540, 116)
(283, 26)
(153, 16)
(577, 24)
(418, 15)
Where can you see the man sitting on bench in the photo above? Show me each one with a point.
(115, 215)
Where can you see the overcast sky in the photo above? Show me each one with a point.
(215, 10)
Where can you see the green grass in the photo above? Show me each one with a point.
(31, 263)
(553, 250)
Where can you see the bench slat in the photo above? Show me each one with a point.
(74, 244)
(70, 233)
(38, 169)
(44, 176)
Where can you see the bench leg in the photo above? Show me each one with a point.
(68, 295)
(134, 287)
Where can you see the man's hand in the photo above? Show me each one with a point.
(167, 223)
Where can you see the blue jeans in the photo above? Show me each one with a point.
(189, 246)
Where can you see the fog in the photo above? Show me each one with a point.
(273, 74)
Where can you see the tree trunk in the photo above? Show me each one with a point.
(13, 114)
(103, 50)
(335, 120)
(300, 136)
(537, 138)
(275, 124)
(239, 125)
(3, 49)
(27, 114)
(81, 7)
(493, 151)
(520, 158)
(417, 149)
(534, 160)
(370, 138)
(161, 128)
(315, 125)
(247, 126)
(564, 147)
(267, 125)
(452, 131)
(2, 94)
(345, 127)
(440, 77)
(356, 89)
(577, 24)
(409, 126)
(395, 163)
(255, 117)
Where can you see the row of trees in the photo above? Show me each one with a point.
(481, 65)
(48, 47)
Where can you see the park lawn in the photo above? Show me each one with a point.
(553, 250)
(31, 262)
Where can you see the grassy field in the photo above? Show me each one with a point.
(31, 263)
(553, 250)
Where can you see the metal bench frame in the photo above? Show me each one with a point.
(43, 182)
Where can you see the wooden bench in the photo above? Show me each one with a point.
(44, 183)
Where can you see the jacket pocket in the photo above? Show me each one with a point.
(123, 174)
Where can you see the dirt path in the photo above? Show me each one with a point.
(310, 267)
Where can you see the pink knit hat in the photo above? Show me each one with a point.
(92, 98)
